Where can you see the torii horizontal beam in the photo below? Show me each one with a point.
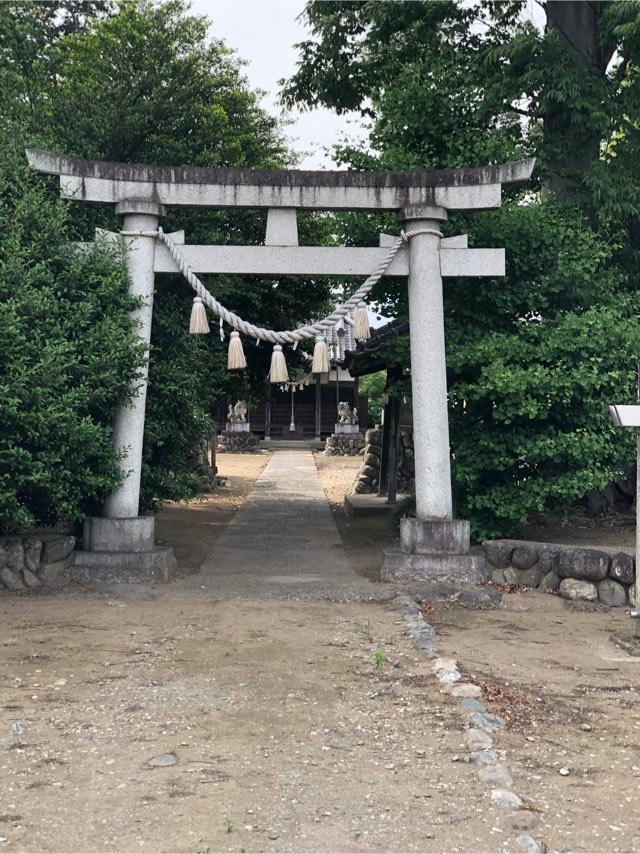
(455, 259)
(450, 189)
(323, 261)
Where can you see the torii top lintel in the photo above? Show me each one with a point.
(451, 189)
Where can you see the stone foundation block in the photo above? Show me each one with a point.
(401, 566)
(158, 564)
(434, 536)
(135, 534)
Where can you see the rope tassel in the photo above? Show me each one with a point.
(361, 328)
(236, 358)
(198, 325)
(320, 363)
(278, 372)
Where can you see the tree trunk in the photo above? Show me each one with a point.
(572, 143)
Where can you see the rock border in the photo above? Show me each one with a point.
(481, 725)
(604, 575)
(28, 562)
(344, 445)
(238, 443)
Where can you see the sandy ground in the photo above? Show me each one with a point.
(284, 734)
(570, 696)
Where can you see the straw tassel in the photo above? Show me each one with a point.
(236, 359)
(361, 328)
(278, 372)
(320, 364)
(198, 325)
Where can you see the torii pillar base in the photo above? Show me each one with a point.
(121, 551)
(433, 550)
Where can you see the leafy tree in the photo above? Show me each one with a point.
(533, 358)
(67, 352)
(373, 386)
(145, 83)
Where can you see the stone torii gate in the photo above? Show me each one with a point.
(431, 545)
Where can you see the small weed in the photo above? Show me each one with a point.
(390, 640)
(380, 657)
(365, 631)
(205, 851)
(228, 825)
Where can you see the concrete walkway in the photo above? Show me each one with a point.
(283, 542)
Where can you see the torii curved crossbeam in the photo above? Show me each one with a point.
(451, 189)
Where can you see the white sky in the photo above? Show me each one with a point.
(264, 32)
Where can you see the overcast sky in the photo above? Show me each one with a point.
(264, 32)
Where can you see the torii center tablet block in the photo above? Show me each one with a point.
(434, 545)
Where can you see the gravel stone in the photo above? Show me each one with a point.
(587, 564)
(528, 844)
(498, 553)
(49, 573)
(496, 775)
(524, 556)
(465, 689)
(506, 799)
(622, 569)
(546, 557)
(32, 553)
(484, 757)
(58, 548)
(469, 704)
(487, 722)
(550, 582)
(576, 589)
(15, 555)
(30, 578)
(524, 820)
(511, 575)
(163, 761)
(10, 579)
(530, 577)
(477, 739)
(612, 593)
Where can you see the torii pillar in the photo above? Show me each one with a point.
(432, 545)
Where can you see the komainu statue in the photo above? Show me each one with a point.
(345, 415)
(237, 414)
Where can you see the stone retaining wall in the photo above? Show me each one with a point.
(344, 445)
(29, 562)
(369, 474)
(575, 573)
(238, 443)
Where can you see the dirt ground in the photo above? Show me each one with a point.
(570, 698)
(281, 731)
(325, 753)
(363, 537)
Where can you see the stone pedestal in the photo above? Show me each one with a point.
(121, 550)
(347, 428)
(433, 550)
(238, 427)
